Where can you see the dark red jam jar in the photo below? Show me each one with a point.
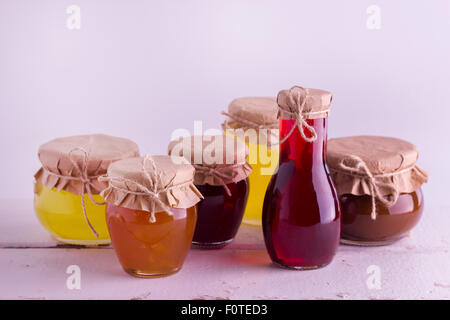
(379, 186)
(220, 214)
(301, 215)
(222, 180)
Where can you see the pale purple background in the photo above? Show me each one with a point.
(141, 69)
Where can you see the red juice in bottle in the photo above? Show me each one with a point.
(301, 213)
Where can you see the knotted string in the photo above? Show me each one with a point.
(361, 168)
(155, 183)
(298, 99)
(215, 172)
(84, 178)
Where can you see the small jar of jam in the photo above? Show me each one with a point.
(254, 120)
(301, 214)
(221, 176)
(66, 192)
(379, 186)
(151, 213)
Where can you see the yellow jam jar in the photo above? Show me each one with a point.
(66, 192)
(151, 213)
(254, 120)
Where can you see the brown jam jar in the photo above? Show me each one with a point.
(221, 175)
(392, 223)
(379, 187)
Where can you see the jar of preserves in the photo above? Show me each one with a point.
(379, 186)
(254, 120)
(151, 213)
(66, 192)
(301, 214)
(221, 176)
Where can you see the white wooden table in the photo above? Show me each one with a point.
(33, 266)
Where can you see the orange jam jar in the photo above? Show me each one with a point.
(151, 213)
(66, 193)
(379, 186)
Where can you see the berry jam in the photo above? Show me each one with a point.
(220, 215)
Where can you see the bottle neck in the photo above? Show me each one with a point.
(295, 148)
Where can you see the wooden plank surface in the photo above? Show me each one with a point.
(34, 267)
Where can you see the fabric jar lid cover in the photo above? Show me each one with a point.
(70, 163)
(151, 183)
(375, 166)
(301, 104)
(252, 112)
(310, 103)
(219, 160)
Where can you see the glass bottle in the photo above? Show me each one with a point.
(301, 214)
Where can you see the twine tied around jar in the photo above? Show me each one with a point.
(155, 182)
(219, 174)
(84, 178)
(361, 168)
(297, 97)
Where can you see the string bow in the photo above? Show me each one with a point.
(361, 168)
(297, 97)
(85, 179)
(156, 186)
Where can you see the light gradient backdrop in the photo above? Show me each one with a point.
(140, 69)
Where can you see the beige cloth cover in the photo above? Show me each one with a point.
(390, 161)
(151, 183)
(219, 160)
(72, 163)
(301, 104)
(252, 112)
(258, 113)
(310, 103)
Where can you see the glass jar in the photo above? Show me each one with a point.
(151, 213)
(379, 186)
(67, 197)
(391, 224)
(147, 249)
(264, 165)
(254, 120)
(220, 214)
(61, 214)
(301, 217)
(221, 174)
